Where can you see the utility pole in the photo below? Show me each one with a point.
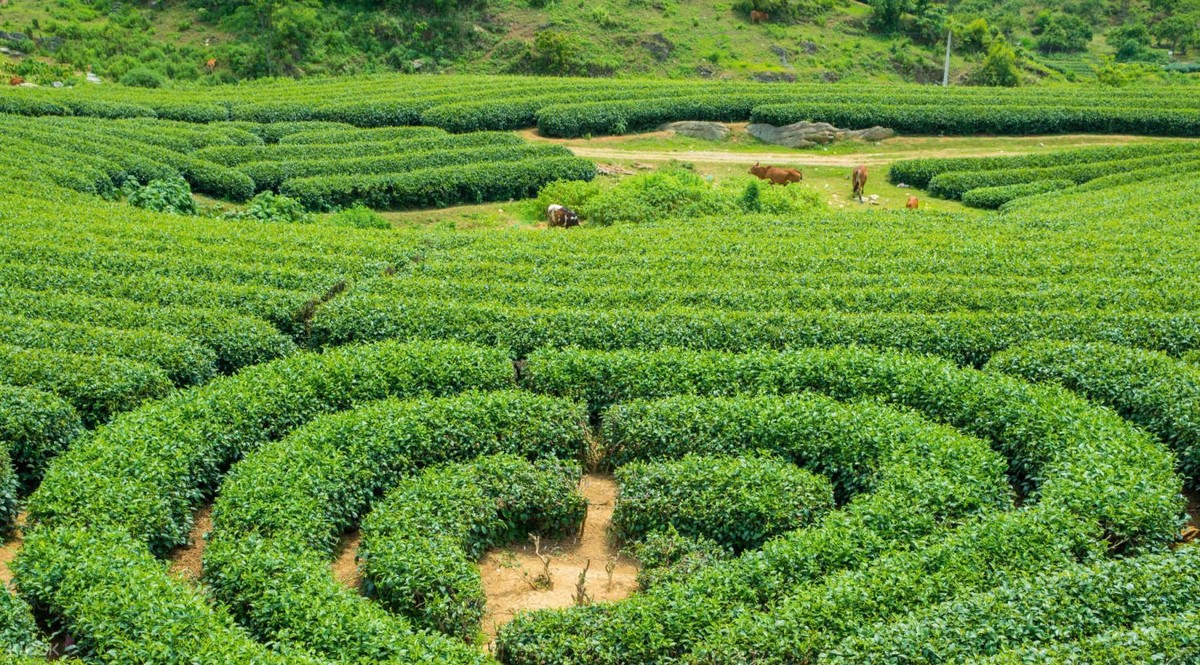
(946, 71)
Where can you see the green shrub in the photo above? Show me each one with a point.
(19, 635)
(237, 340)
(358, 217)
(272, 208)
(573, 194)
(915, 479)
(141, 77)
(738, 502)
(172, 195)
(992, 198)
(85, 576)
(185, 362)
(656, 197)
(665, 556)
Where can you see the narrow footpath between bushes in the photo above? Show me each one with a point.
(9, 550)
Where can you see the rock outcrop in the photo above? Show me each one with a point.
(710, 131)
(809, 134)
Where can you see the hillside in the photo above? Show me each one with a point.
(807, 40)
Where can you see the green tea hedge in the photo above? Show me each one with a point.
(738, 502)
(1151, 389)
(420, 543)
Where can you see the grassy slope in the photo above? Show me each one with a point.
(706, 38)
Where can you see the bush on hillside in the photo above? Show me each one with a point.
(141, 77)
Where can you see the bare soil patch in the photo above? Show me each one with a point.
(187, 560)
(345, 565)
(9, 551)
(507, 573)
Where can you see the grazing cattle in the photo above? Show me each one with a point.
(859, 180)
(211, 65)
(16, 80)
(775, 174)
(759, 17)
(563, 216)
(913, 203)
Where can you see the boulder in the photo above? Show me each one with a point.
(809, 134)
(709, 131)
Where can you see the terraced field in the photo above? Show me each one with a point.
(868, 436)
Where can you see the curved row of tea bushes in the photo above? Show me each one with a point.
(511, 102)
(1077, 603)
(514, 286)
(146, 472)
(930, 477)
(991, 198)
(97, 386)
(979, 555)
(918, 172)
(278, 306)
(185, 362)
(737, 502)
(420, 543)
(121, 605)
(237, 340)
(635, 115)
(282, 510)
(1049, 435)
(1061, 449)
(127, 492)
(965, 118)
(954, 184)
(332, 136)
(271, 175)
(917, 480)
(1151, 389)
(233, 156)
(966, 337)
(438, 187)
(137, 160)
(1173, 636)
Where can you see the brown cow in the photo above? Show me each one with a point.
(759, 17)
(859, 180)
(775, 174)
(563, 216)
(913, 203)
(211, 65)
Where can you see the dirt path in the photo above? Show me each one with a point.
(903, 147)
(9, 550)
(506, 572)
(797, 158)
(345, 565)
(186, 560)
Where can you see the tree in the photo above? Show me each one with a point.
(886, 14)
(1061, 33)
(999, 68)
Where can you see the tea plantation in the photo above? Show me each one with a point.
(856, 436)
